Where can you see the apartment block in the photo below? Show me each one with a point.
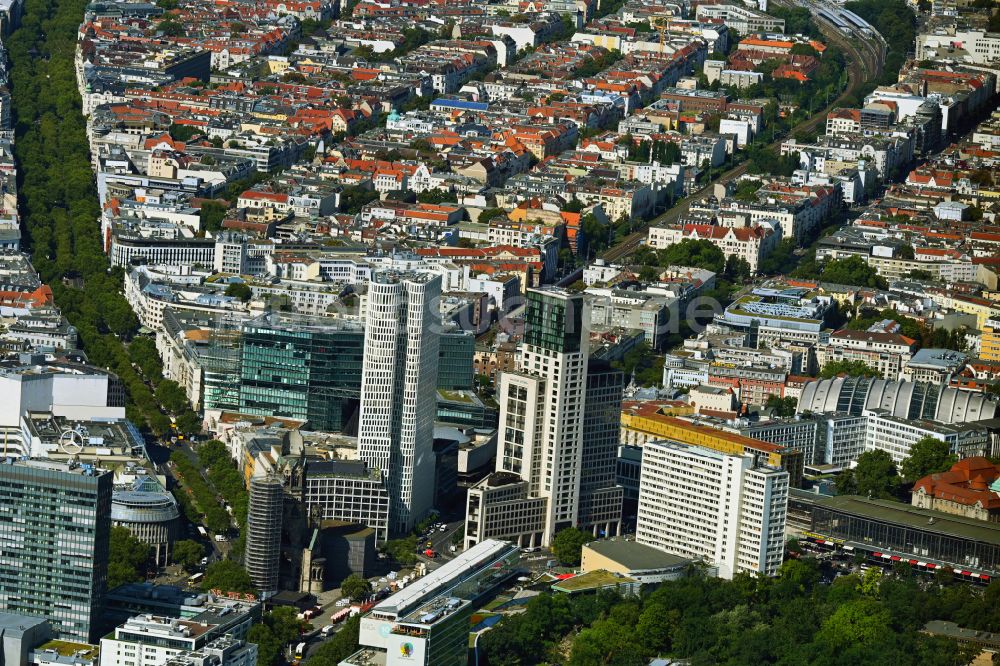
(989, 346)
(643, 423)
(887, 353)
(704, 504)
(751, 244)
(214, 635)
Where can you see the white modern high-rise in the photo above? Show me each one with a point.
(553, 369)
(398, 390)
(541, 484)
(704, 504)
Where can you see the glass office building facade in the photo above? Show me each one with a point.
(301, 368)
(55, 526)
(455, 356)
(220, 363)
(554, 321)
(309, 369)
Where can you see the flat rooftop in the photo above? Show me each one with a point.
(693, 431)
(367, 657)
(911, 516)
(937, 426)
(464, 397)
(937, 358)
(952, 630)
(160, 594)
(594, 580)
(83, 651)
(56, 466)
(440, 580)
(435, 610)
(636, 556)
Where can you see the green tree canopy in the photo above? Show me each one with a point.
(850, 368)
(782, 406)
(895, 21)
(437, 197)
(802, 49)
(746, 189)
(798, 20)
(927, 456)
(188, 553)
(172, 396)
(856, 623)
(789, 619)
(58, 203)
(402, 550)
(225, 476)
(644, 363)
(911, 328)
(353, 199)
(853, 271)
(355, 587)
(874, 476)
(170, 28)
(697, 253)
(343, 644)
(183, 132)
(491, 213)
(279, 628)
(212, 213)
(227, 576)
(127, 558)
(607, 642)
(142, 351)
(240, 290)
(567, 545)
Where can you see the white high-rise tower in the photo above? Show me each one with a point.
(559, 421)
(704, 504)
(398, 390)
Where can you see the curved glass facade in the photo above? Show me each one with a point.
(907, 400)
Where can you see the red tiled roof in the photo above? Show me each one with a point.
(967, 483)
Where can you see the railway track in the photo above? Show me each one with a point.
(865, 63)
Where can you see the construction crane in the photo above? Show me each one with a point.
(661, 27)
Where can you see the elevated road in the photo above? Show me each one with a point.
(865, 57)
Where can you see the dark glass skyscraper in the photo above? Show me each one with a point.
(553, 321)
(302, 368)
(55, 527)
(309, 368)
(455, 361)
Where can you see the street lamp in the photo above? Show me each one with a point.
(475, 643)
